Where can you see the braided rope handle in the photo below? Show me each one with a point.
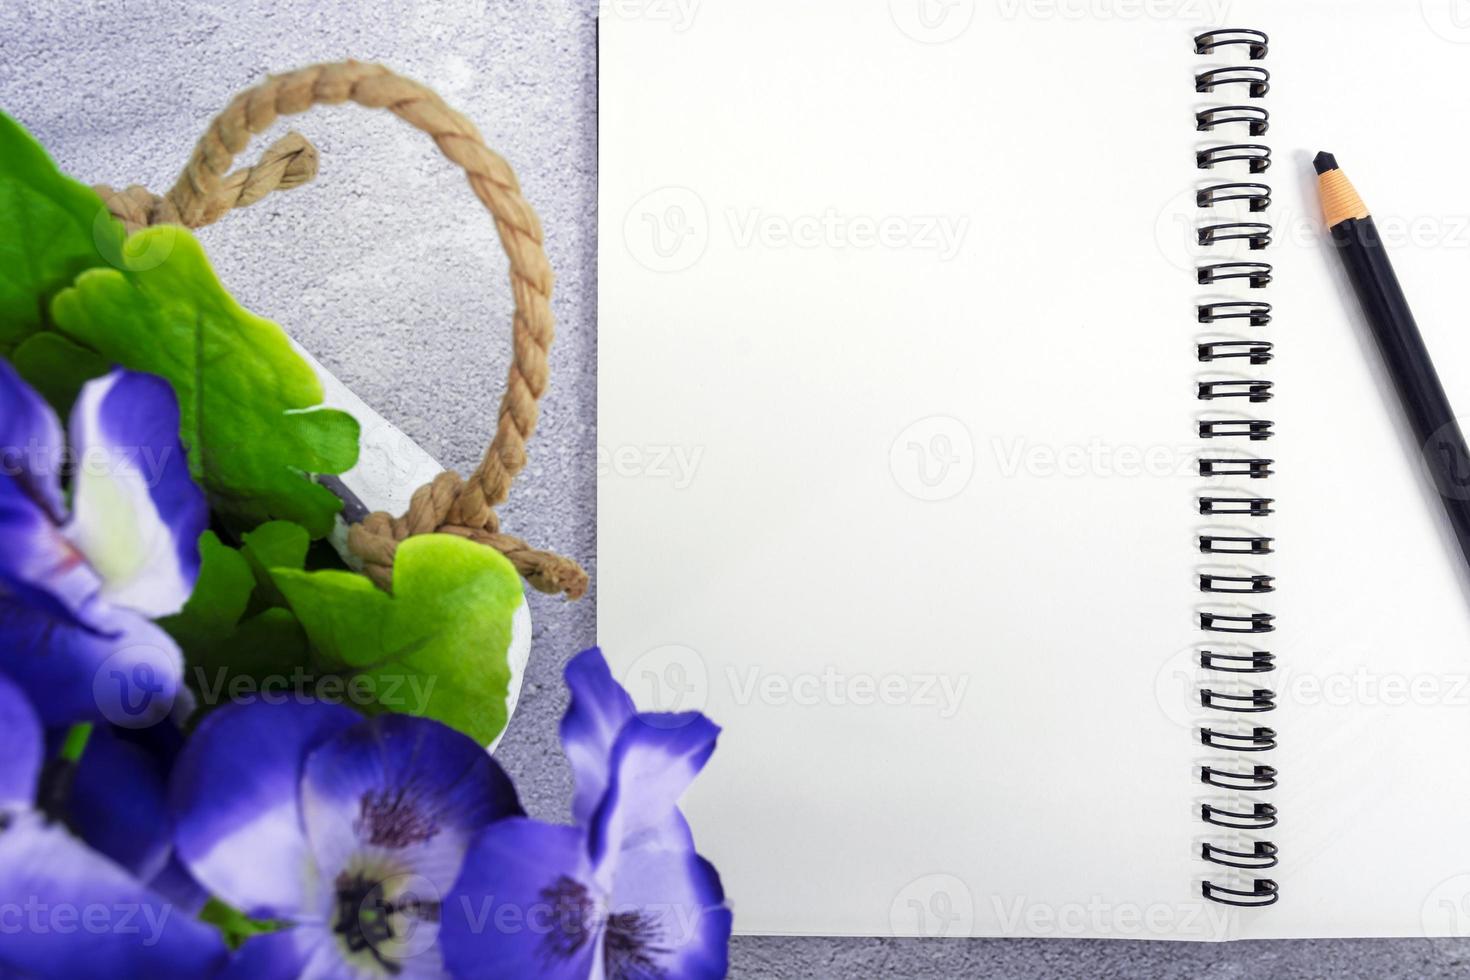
(206, 191)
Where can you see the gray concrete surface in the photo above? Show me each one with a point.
(388, 271)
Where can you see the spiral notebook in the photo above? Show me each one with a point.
(989, 441)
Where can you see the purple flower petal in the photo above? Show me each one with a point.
(119, 796)
(654, 760)
(136, 513)
(283, 955)
(524, 906)
(31, 445)
(175, 884)
(235, 802)
(83, 917)
(401, 793)
(121, 668)
(38, 565)
(119, 806)
(311, 951)
(598, 711)
(25, 744)
(667, 916)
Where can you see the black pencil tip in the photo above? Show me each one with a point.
(1324, 162)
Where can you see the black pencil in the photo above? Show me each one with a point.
(1399, 340)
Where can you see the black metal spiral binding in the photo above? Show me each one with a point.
(1256, 701)
(1257, 233)
(1255, 155)
(1256, 79)
(1258, 858)
(1236, 506)
(1263, 892)
(1257, 119)
(1256, 469)
(1236, 544)
(1257, 780)
(1256, 430)
(1261, 816)
(1258, 314)
(1255, 391)
(1237, 584)
(1256, 274)
(1209, 41)
(1259, 739)
(1255, 662)
(1258, 351)
(1237, 672)
(1220, 623)
(1258, 196)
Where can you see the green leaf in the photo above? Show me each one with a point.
(221, 594)
(438, 646)
(57, 368)
(51, 229)
(235, 926)
(76, 741)
(248, 402)
(223, 644)
(279, 544)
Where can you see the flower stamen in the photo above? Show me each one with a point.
(631, 947)
(393, 820)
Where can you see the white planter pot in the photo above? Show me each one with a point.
(390, 467)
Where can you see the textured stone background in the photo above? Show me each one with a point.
(388, 271)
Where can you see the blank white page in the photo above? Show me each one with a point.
(897, 432)
(1374, 636)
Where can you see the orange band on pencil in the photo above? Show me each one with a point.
(1339, 200)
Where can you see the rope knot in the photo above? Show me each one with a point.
(432, 510)
(206, 191)
(286, 164)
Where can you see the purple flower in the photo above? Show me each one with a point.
(78, 588)
(66, 911)
(348, 830)
(621, 896)
(118, 804)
